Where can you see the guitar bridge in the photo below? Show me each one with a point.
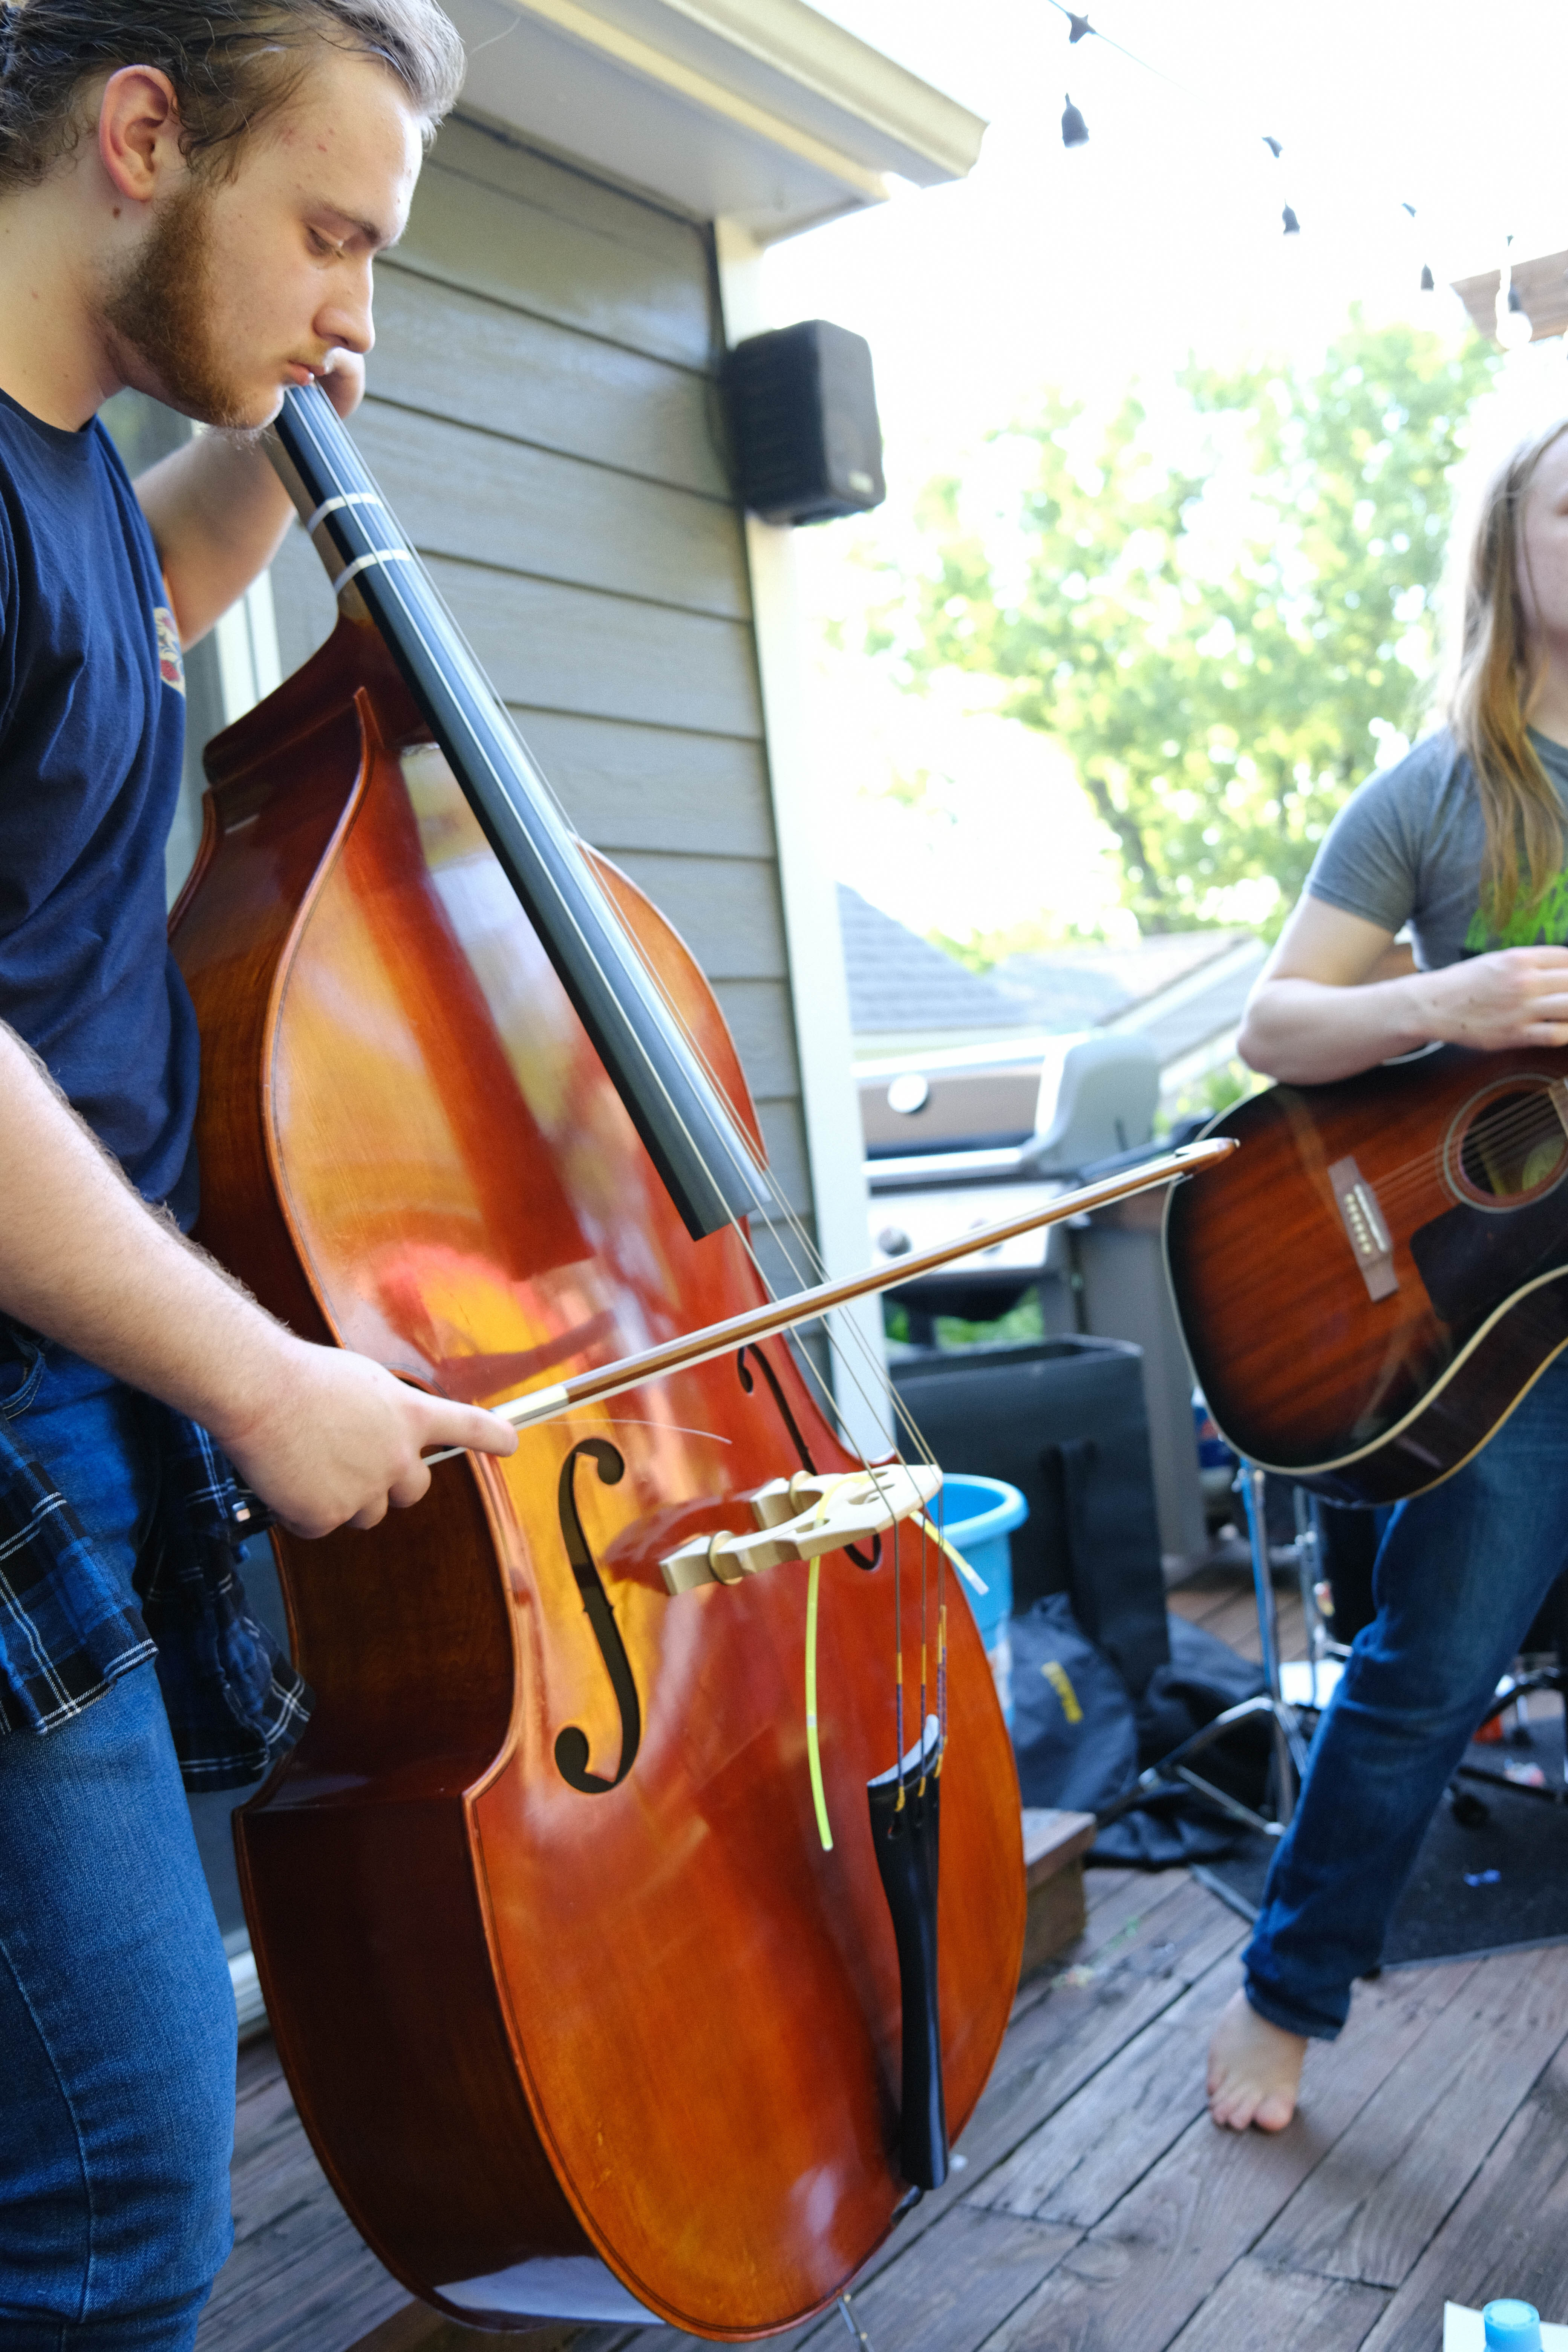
(1364, 1228)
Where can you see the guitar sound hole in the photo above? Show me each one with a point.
(1513, 1148)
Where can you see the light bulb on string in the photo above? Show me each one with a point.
(1428, 283)
(1075, 130)
(1515, 328)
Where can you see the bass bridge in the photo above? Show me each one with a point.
(801, 1518)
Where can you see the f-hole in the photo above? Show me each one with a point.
(861, 1560)
(571, 1745)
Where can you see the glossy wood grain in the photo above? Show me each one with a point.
(1367, 1399)
(658, 2023)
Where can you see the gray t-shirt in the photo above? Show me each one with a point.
(1407, 848)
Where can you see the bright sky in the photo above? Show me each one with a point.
(1085, 268)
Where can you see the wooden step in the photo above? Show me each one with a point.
(1054, 1846)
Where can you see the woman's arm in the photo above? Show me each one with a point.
(1331, 1001)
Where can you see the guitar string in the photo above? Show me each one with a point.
(391, 586)
(1528, 1125)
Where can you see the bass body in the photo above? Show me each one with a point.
(1369, 1286)
(582, 2019)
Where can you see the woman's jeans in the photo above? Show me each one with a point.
(1461, 1574)
(117, 2028)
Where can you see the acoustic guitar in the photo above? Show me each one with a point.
(1369, 1286)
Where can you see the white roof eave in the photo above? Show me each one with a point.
(761, 111)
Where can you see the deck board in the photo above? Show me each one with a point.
(1509, 2233)
(1079, 2165)
(1142, 2273)
(1376, 2202)
(1093, 2207)
(1286, 2311)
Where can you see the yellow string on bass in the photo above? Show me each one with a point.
(813, 1748)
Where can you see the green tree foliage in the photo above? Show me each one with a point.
(1221, 644)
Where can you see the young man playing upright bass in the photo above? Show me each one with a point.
(1464, 841)
(191, 196)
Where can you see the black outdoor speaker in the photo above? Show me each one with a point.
(803, 410)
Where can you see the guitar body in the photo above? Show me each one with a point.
(1370, 1285)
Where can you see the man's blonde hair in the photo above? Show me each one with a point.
(232, 63)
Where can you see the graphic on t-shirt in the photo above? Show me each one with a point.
(171, 661)
(1542, 923)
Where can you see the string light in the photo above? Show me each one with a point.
(1075, 133)
(1515, 327)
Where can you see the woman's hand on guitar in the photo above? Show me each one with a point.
(1515, 996)
(1338, 996)
(339, 1441)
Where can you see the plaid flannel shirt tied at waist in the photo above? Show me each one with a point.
(67, 1629)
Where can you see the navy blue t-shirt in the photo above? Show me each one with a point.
(92, 722)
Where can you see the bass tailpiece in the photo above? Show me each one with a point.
(905, 1823)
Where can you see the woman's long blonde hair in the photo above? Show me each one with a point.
(1494, 678)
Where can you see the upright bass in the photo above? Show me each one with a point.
(569, 1922)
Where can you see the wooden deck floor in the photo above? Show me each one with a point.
(1094, 2208)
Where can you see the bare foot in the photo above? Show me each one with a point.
(1254, 2069)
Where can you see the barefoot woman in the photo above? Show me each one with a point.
(1463, 841)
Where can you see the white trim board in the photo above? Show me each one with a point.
(250, 663)
(757, 110)
(819, 992)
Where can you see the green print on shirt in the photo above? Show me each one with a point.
(1542, 924)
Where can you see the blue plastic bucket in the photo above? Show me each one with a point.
(978, 1515)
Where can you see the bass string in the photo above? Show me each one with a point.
(859, 1366)
(858, 1363)
(856, 1360)
(395, 583)
(869, 1378)
(881, 1391)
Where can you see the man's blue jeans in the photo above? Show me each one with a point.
(117, 2030)
(1460, 1574)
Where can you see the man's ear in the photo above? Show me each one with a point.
(137, 131)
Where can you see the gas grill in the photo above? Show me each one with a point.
(966, 1140)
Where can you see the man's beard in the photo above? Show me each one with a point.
(163, 306)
